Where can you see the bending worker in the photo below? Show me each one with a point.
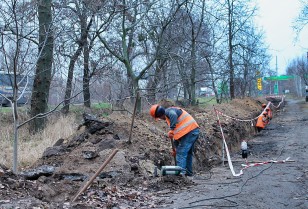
(269, 112)
(183, 129)
(262, 121)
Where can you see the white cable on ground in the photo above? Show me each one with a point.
(227, 150)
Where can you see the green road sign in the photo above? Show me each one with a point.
(279, 78)
(276, 91)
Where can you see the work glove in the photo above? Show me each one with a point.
(173, 152)
(171, 134)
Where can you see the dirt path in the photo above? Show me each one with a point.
(274, 185)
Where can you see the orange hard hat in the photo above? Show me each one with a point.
(157, 111)
(153, 110)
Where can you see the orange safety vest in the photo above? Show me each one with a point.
(270, 113)
(265, 119)
(185, 124)
(261, 122)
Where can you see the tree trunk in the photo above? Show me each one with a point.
(135, 85)
(230, 37)
(153, 82)
(15, 113)
(86, 77)
(193, 70)
(81, 42)
(69, 81)
(213, 80)
(42, 79)
(245, 81)
(16, 123)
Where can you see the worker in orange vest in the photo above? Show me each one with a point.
(184, 130)
(269, 113)
(262, 121)
(266, 118)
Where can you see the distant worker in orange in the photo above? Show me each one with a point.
(266, 118)
(269, 112)
(262, 121)
(263, 105)
(183, 129)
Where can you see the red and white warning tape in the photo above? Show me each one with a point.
(229, 158)
(227, 116)
(253, 119)
(275, 96)
(282, 101)
(264, 163)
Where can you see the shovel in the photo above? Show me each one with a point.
(169, 169)
(173, 148)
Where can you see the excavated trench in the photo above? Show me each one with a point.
(276, 176)
(65, 168)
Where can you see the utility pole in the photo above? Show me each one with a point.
(276, 89)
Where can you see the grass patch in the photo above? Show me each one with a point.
(5, 109)
(205, 101)
(99, 109)
(101, 106)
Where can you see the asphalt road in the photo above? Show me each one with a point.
(268, 186)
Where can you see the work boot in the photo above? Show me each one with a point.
(187, 178)
(183, 175)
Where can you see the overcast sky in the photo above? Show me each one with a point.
(276, 18)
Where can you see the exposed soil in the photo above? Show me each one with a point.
(128, 180)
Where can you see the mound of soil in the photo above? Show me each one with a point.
(128, 180)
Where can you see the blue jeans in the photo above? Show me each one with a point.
(184, 151)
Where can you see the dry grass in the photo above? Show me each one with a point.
(31, 147)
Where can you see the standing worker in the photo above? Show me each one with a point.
(183, 129)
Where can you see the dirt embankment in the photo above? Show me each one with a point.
(128, 179)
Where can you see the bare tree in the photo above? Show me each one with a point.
(77, 10)
(81, 42)
(302, 19)
(299, 69)
(42, 79)
(130, 45)
(251, 57)
(17, 61)
(180, 48)
(196, 29)
(238, 15)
